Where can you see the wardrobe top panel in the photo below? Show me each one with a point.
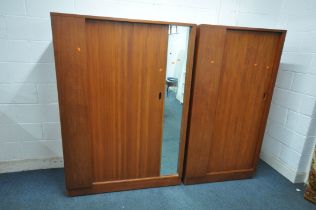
(245, 28)
(121, 19)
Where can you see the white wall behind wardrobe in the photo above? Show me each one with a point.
(29, 122)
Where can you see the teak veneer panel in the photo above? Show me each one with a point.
(205, 83)
(70, 60)
(127, 66)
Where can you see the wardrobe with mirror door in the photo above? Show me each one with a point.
(120, 130)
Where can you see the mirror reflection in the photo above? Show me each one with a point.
(175, 82)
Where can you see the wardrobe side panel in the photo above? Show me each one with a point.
(72, 84)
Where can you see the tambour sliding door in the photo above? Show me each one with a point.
(126, 64)
(111, 76)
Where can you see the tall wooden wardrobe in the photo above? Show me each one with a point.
(111, 88)
(234, 74)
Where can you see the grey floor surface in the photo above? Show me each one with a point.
(171, 134)
(44, 189)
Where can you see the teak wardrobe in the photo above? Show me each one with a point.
(111, 88)
(234, 75)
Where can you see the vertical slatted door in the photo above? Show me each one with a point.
(126, 64)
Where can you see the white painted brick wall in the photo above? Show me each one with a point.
(20, 132)
(278, 113)
(21, 28)
(33, 73)
(29, 121)
(47, 93)
(305, 84)
(18, 94)
(13, 7)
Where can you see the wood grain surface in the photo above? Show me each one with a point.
(233, 78)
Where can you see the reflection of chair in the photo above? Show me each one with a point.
(171, 82)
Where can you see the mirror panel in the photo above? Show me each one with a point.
(178, 39)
